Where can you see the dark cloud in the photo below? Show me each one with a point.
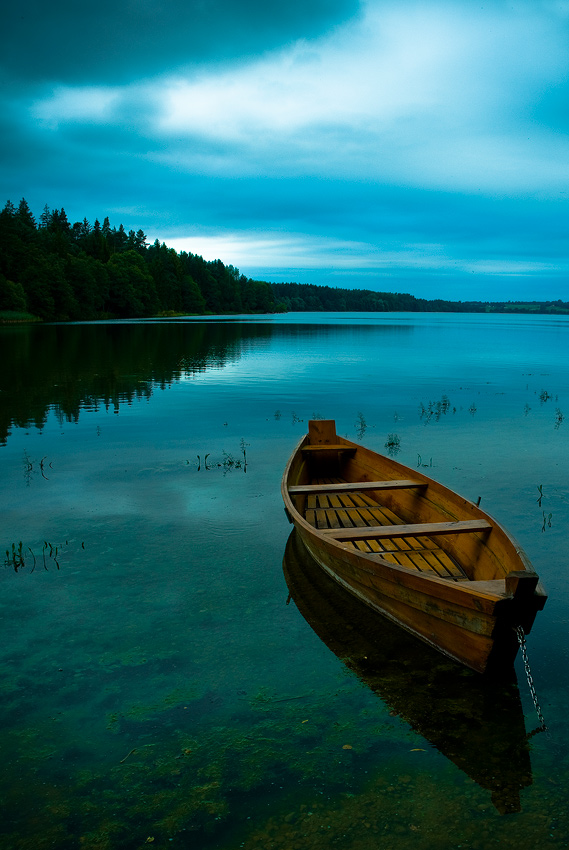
(396, 145)
(121, 40)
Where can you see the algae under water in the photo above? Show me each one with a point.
(158, 690)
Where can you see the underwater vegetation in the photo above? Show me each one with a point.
(361, 425)
(32, 467)
(393, 444)
(18, 556)
(435, 409)
(148, 724)
(227, 462)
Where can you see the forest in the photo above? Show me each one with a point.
(52, 270)
(295, 297)
(58, 271)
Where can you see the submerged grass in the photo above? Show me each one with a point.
(19, 556)
(227, 462)
(393, 444)
(266, 774)
(435, 409)
(361, 426)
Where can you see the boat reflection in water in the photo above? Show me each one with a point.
(475, 722)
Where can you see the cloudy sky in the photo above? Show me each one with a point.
(383, 144)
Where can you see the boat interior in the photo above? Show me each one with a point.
(359, 510)
(369, 502)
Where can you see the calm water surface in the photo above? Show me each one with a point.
(168, 681)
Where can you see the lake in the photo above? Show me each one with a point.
(176, 674)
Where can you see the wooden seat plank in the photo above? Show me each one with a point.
(468, 526)
(330, 447)
(354, 486)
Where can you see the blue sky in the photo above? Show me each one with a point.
(402, 146)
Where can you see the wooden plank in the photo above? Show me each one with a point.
(521, 583)
(402, 559)
(334, 517)
(426, 528)
(369, 510)
(420, 563)
(434, 558)
(344, 503)
(387, 515)
(335, 501)
(379, 515)
(311, 517)
(420, 553)
(322, 431)
(354, 486)
(443, 565)
(377, 548)
(333, 520)
(415, 553)
(345, 519)
(321, 520)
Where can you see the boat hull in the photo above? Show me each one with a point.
(458, 628)
(478, 724)
(472, 621)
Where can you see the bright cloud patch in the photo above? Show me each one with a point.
(363, 73)
(424, 95)
(84, 104)
(270, 250)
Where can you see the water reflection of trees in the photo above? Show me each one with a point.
(69, 368)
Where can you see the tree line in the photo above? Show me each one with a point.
(58, 271)
(306, 296)
(302, 297)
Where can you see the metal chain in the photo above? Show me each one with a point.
(522, 642)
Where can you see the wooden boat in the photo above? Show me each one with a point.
(411, 549)
(476, 722)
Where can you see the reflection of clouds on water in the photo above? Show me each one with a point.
(177, 605)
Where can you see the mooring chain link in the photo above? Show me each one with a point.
(522, 642)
